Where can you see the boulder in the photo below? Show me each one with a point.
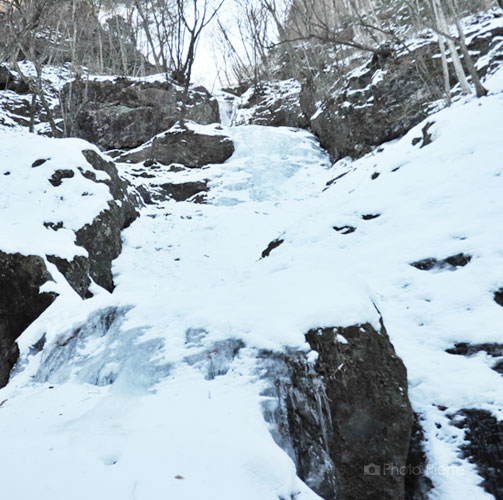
(20, 303)
(345, 419)
(124, 113)
(189, 147)
(182, 191)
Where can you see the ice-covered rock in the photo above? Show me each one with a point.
(343, 412)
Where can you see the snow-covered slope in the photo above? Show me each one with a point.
(135, 394)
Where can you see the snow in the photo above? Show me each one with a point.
(123, 401)
(76, 202)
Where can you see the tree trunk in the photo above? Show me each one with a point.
(456, 61)
(479, 88)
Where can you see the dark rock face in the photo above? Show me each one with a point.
(417, 485)
(20, 303)
(58, 176)
(498, 297)
(182, 191)
(272, 245)
(345, 229)
(385, 100)
(449, 263)
(184, 146)
(484, 435)
(346, 420)
(381, 104)
(101, 238)
(76, 273)
(123, 114)
(8, 81)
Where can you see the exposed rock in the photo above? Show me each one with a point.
(498, 297)
(370, 216)
(183, 145)
(387, 97)
(58, 176)
(272, 103)
(101, 238)
(76, 273)
(181, 191)
(20, 303)
(55, 226)
(449, 263)
(484, 436)
(427, 137)
(272, 245)
(344, 417)
(124, 113)
(345, 229)
(9, 81)
(351, 112)
(118, 187)
(417, 484)
(39, 162)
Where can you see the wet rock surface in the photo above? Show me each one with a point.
(124, 113)
(21, 302)
(343, 414)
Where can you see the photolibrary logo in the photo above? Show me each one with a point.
(372, 470)
(410, 470)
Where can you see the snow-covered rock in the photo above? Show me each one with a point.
(62, 210)
(276, 103)
(378, 101)
(191, 145)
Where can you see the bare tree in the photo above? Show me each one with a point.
(25, 21)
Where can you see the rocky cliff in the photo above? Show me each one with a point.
(380, 100)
